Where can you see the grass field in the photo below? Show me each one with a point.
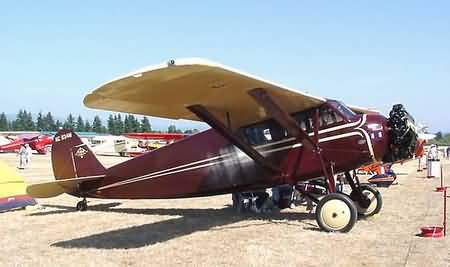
(206, 232)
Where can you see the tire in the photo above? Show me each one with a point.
(376, 201)
(336, 213)
(82, 206)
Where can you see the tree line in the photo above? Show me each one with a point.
(117, 124)
(441, 139)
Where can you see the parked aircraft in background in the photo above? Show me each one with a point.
(422, 130)
(38, 142)
(4, 140)
(262, 135)
(12, 190)
(131, 144)
(140, 143)
(106, 144)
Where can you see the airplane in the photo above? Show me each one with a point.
(106, 144)
(262, 135)
(145, 142)
(38, 142)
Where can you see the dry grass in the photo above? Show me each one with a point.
(205, 232)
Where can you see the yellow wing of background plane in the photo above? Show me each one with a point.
(167, 89)
(12, 190)
(10, 182)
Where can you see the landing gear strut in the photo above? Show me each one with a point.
(367, 199)
(375, 201)
(82, 205)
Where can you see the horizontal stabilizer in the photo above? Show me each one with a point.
(58, 187)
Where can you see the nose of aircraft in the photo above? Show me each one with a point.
(402, 135)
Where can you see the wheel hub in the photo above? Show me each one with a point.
(336, 214)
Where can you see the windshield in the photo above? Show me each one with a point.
(343, 109)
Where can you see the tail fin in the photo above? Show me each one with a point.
(71, 158)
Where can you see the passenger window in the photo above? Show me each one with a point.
(329, 117)
(304, 120)
(263, 133)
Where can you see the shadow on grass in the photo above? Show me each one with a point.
(191, 221)
(60, 209)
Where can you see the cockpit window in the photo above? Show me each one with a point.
(263, 133)
(329, 117)
(304, 119)
(343, 109)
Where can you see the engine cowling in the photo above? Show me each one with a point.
(402, 133)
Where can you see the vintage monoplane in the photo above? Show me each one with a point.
(38, 142)
(262, 135)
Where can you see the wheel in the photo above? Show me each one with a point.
(238, 203)
(82, 205)
(376, 201)
(336, 213)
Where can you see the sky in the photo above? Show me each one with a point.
(365, 53)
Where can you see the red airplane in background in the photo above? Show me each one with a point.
(37, 142)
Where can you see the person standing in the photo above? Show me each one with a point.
(22, 156)
(28, 154)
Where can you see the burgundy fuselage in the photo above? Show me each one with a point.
(207, 164)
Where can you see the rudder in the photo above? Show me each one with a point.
(71, 158)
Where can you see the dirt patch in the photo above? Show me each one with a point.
(206, 232)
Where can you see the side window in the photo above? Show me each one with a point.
(305, 121)
(263, 133)
(329, 117)
(277, 132)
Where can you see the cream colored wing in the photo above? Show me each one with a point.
(167, 89)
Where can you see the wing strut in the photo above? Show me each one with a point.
(216, 124)
(271, 106)
(281, 116)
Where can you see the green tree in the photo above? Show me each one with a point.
(80, 124)
(127, 124)
(70, 122)
(111, 124)
(97, 125)
(40, 122)
(23, 122)
(4, 123)
(172, 129)
(145, 125)
(50, 124)
(136, 125)
(29, 123)
(87, 126)
(439, 136)
(58, 125)
(117, 125)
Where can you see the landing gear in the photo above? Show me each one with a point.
(250, 201)
(336, 213)
(374, 204)
(82, 205)
(367, 199)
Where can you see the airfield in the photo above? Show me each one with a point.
(206, 231)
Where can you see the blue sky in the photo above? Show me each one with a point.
(368, 54)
